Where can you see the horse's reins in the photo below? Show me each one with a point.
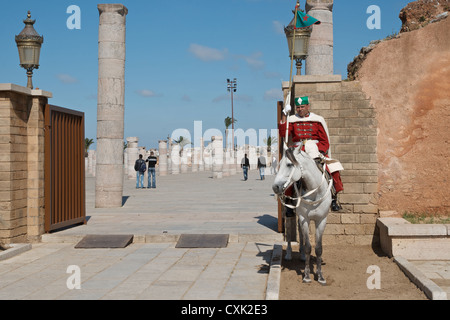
(300, 198)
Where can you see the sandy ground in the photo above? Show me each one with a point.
(345, 270)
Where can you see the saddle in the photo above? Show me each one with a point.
(319, 163)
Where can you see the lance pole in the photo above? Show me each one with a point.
(297, 6)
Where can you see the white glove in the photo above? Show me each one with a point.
(287, 105)
(287, 109)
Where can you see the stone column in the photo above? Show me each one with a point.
(91, 162)
(169, 157)
(201, 163)
(184, 161)
(253, 158)
(111, 105)
(194, 159)
(225, 165)
(133, 155)
(162, 158)
(175, 159)
(217, 157)
(320, 52)
(125, 162)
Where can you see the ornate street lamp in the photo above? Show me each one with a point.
(29, 44)
(298, 33)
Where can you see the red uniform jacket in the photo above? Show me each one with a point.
(311, 130)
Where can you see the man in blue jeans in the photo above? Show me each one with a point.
(245, 164)
(262, 166)
(140, 168)
(152, 160)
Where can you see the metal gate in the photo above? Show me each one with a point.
(64, 168)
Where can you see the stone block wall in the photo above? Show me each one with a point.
(353, 133)
(21, 163)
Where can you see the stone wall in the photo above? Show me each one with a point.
(353, 129)
(21, 163)
(409, 87)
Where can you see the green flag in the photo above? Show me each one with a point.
(304, 20)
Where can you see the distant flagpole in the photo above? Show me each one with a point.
(297, 6)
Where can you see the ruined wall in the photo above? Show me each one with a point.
(408, 82)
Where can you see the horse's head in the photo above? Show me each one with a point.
(289, 171)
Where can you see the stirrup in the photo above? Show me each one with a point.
(335, 205)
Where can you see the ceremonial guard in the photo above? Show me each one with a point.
(313, 131)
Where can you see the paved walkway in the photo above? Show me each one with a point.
(151, 267)
(437, 271)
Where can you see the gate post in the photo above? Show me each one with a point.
(110, 110)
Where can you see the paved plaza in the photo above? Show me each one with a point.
(151, 267)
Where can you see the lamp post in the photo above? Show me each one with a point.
(29, 45)
(298, 41)
(232, 87)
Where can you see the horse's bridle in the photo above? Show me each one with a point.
(300, 198)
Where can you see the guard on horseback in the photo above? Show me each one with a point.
(312, 130)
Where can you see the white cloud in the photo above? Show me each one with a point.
(148, 93)
(254, 61)
(278, 27)
(206, 53)
(66, 78)
(273, 94)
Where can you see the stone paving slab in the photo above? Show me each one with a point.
(437, 271)
(420, 279)
(140, 271)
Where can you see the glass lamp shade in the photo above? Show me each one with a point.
(302, 37)
(29, 54)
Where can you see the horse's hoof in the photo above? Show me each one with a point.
(306, 280)
(323, 282)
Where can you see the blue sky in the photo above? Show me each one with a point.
(179, 56)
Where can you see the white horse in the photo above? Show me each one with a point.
(312, 202)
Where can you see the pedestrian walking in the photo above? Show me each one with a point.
(152, 160)
(262, 166)
(245, 164)
(140, 168)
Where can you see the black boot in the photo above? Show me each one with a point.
(290, 212)
(335, 205)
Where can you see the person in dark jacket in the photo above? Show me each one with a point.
(245, 164)
(140, 168)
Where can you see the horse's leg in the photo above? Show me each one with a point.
(288, 256)
(288, 228)
(305, 232)
(302, 242)
(319, 233)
